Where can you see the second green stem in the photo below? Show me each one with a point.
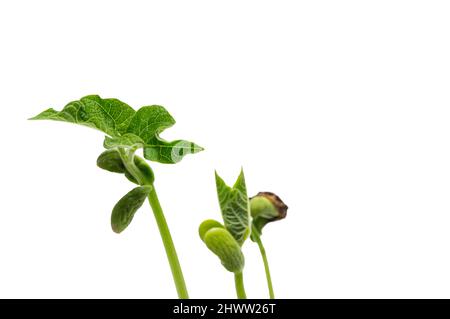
(239, 283)
(266, 266)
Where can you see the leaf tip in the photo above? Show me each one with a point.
(217, 176)
(43, 115)
(240, 180)
(198, 148)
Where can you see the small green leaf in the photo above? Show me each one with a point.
(107, 115)
(234, 204)
(170, 152)
(123, 212)
(207, 225)
(111, 161)
(223, 244)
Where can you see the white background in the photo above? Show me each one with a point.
(341, 107)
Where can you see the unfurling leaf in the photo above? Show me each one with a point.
(234, 204)
(123, 212)
(125, 127)
(223, 244)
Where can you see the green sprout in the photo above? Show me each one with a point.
(126, 132)
(242, 217)
(265, 207)
(226, 240)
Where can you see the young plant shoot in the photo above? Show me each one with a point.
(225, 240)
(127, 131)
(265, 207)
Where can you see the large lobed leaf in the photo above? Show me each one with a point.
(126, 127)
(147, 123)
(234, 204)
(107, 115)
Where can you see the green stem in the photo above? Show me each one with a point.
(266, 265)
(239, 283)
(168, 245)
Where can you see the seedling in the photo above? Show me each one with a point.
(126, 132)
(265, 207)
(242, 217)
(225, 240)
